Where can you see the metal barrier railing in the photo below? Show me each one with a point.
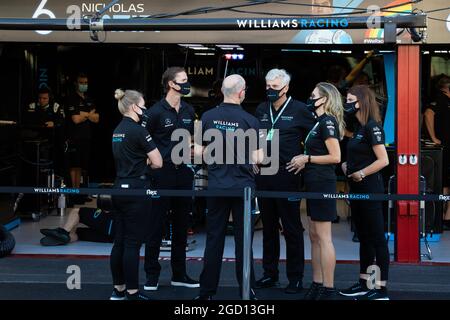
(248, 194)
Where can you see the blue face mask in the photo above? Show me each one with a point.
(83, 88)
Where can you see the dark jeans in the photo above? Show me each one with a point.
(216, 223)
(289, 212)
(178, 178)
(132, 217)
(369, 224)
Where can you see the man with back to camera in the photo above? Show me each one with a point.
(227, 117)
(293, 121)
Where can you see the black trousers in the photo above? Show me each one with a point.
(216, 223)
(289, 212)
(132, 217)
(369, 224)
(178, 178)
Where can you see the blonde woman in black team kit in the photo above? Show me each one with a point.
(322, 153)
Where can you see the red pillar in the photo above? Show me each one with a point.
(408, 143)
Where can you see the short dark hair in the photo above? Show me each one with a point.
(170, 75)
(443, 82)
(81, 75)
(45, 90)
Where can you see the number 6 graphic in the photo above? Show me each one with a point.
(41, 11)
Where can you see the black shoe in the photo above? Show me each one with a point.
(355, 237)
(51, 242)
(118, 295)
(203, 297)
(185, 282)
(327, 294)
(358, 289)
(294, 287)
(313, 291)
(137, 296)
(266, 282)
(58, 233)
(151, 285)
(376, 294)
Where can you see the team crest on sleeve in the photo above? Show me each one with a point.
(377, 133)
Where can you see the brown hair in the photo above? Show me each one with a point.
(368, 105)
(170, 75)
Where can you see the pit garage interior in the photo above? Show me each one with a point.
(31, 63)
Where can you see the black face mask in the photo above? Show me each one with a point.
(273, 94)
(142, 117)
(350, 108)
(185, 88)
(311, 104)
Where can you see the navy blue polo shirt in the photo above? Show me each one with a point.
(130, 145)
(360, 153)
(293, 124)
(230, 117)
(163, 120)
(325, 128)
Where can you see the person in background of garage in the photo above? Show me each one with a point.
(46, 117)
(163, 118)
(294, 121)
(437, 121)
(133, 150)
(322, 153)
(82, 114)
(367, 156)
(228, 116)
(45, 111)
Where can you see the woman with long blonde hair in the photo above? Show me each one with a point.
(322, 153)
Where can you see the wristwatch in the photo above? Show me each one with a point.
(361, 174)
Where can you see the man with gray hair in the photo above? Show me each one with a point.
(225, 121)
(293, 121)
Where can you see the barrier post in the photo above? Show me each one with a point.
(247, 243)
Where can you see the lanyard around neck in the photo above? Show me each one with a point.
(279, 114)
(309, 134)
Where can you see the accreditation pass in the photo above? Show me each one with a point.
(224, 309)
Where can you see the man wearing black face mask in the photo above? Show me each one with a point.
(167, 115)
(293, 121)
